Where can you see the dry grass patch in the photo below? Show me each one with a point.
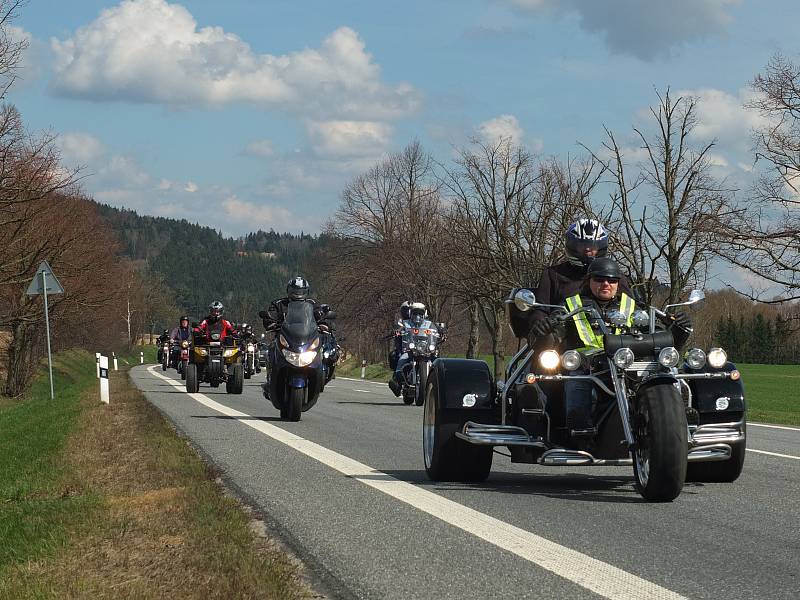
(166, 530)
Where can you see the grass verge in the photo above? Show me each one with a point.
(374, 372)
(106, 501)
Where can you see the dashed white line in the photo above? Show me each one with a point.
(773, 426)
(362, 391)
(773, 454)
(599, 577)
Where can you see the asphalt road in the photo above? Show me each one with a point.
(347, 489)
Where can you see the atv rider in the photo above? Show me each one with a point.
(214, 323)
(182, 333)
(600, 289)
(417, 319)
(584, 241)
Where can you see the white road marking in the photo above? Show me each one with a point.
(599, 577)
(383, 383)
(362, 391)
(773, 453)
(773, 426)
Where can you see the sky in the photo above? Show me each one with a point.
(254, 114)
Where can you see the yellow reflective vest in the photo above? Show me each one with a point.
(591, 339)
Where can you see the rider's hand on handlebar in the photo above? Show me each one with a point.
(682, 320)
(542, 327)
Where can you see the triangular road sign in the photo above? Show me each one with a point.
(53, 285)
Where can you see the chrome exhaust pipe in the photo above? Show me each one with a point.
(713, 452)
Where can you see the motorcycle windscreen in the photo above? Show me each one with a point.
(299, 326)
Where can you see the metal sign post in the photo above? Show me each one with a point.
(41, 285)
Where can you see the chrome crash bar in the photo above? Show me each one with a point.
(498, 435)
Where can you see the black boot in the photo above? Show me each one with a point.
(395, 387)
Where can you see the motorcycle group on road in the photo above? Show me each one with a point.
(600, 378)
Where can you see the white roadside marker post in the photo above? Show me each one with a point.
(116, 366)
(104, 380)
(363, 368)
(141, 358)
(97, 363)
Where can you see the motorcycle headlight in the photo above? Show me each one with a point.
(202, 351)
(549, 359)
(314, 345)
(623, 358)
(300, 359)
(432, 347)
(717, 357)
(282, 341)
(696, 358)
(571, 360)
(228, 352)
(411, 346)
(668, 357)
(251, 348)
(184, 344)
(641, 319)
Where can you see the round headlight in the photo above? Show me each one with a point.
(616, 318)
(717, 357)
(411, 345)
(549, 359)
(623, 358)
(696, 358)
(571, 360)
(641, 318)
(432, 347)
(184, 344)
(668, 357)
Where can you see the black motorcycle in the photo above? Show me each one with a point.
(295, 375)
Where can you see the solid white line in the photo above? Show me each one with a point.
(773, 453)
(590, 573)
(362, 380)
(773, 426)
(362, 391)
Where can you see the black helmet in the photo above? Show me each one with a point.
(182, 319)
(297, 288)
(583, 234)
(604, 267)
(405, 310)
(215, 310)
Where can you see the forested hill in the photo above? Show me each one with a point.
(200, 265)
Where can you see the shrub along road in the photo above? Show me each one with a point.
(347, 488)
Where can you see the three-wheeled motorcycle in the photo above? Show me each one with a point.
(295, 376)
(213, 360)
(667, 415)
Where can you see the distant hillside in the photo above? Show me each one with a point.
(200, 265)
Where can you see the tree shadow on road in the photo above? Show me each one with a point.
(571, 486)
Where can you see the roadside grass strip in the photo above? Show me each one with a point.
(102, 501)
(772, 393)
(599, 577)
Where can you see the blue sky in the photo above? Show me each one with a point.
(246, 114)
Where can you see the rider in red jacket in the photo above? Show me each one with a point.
(214, 323)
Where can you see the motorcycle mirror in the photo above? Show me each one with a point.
(696, 296)
(331, 314)
(524, 300)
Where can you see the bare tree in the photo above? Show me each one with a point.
(507, 213)
(667, 210)
(765, 240)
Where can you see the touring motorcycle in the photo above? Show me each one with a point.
(668, 416)
(421, 344)
(295, 376)
(213, 360)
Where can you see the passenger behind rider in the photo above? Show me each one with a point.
(584, 241)
(601, 289)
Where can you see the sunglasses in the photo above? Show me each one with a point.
(605, 279)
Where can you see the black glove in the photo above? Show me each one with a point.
(263, 314)
(541, 327)
(682, 320)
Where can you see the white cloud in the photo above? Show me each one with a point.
(646, 30)
(190, 187)
(79, 149)
(504, 127)
(723, 116)
(152, 51)
(257, 216)
(260, 149)
(344, 139)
